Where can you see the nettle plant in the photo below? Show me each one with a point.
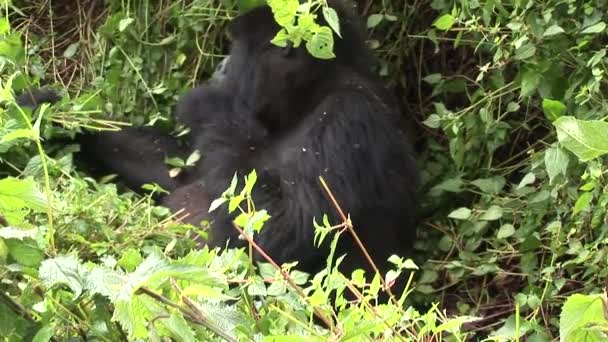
(299, 24)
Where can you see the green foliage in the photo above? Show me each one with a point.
(521, 153)
(299, 24)
(584, 318)
(512, 100)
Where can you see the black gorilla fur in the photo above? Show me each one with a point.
(293, 118)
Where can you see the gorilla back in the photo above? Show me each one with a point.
(293, 118)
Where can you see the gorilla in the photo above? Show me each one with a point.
(292, 118)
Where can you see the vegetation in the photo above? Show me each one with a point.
(506, 100)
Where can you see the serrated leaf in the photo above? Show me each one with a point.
(321, 44)
(579, 313)
(460, 214)
(586, 139)
(235, 202)
(250, 181)
(445, 22)
(24, 252)
(66, 270)
(17, 233)
(284, 11)
(556, 162)
(19, 193)
(17, 134)
(553, 109)
(130, 259)
(132, 317)
(281, 38)
(331, 17)
(257, 287)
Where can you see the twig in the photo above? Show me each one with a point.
(350, 228)
(328, 323)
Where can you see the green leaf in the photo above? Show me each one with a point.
(124, 23)
(71, 50)
(596, 28)
(5, 27)
(525, 51)
(130, 259)
(321, 45)
(460, 214)
(65, 270)
(24, 252)
(553, 109)
(216, 203)
(556, 162)
(331, 17)
(21, 193)
(505, 231)
(193, 158)
(492, 214)
(553, 30)
(433, 121)
(373, 20)
(528, 179)
(281, 38)
(445, 22)
(17, 233)
(17, 134)
(250, 181)
(44, 334)
(12, 48)
(179, 329)
(579, 314)
(284, 11)
(492, 185)
(586, 139)
(132, 315)
(529, 82)
(582, 203)
(433, 78)
(257, 287)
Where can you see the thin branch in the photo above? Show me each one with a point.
(350, 228)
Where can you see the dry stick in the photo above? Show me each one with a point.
(286, 276)
(349, 226)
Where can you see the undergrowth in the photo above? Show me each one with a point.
(506, 100)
